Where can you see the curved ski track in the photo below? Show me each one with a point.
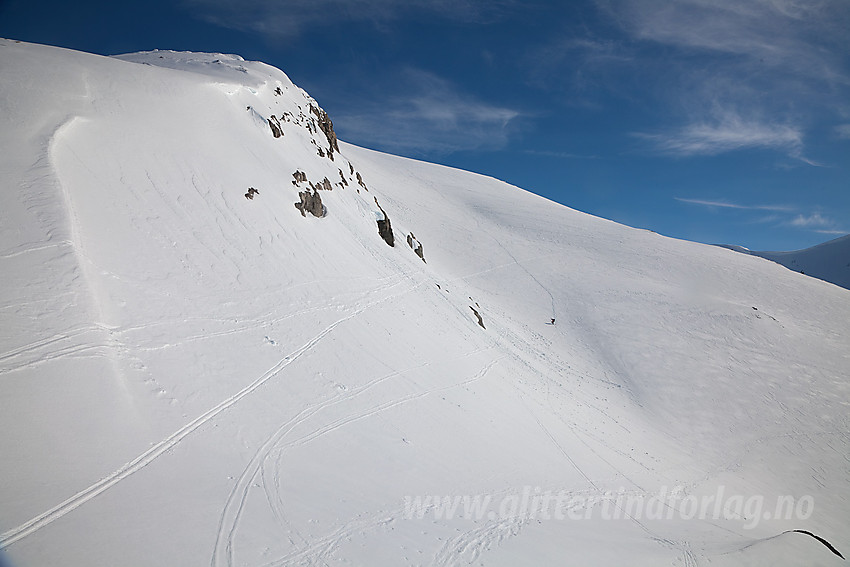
(33, 525)
(231, 514)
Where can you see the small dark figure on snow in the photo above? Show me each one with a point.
(251, 192)
(553, 321)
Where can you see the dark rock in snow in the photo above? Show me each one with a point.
(323, 185)
(416, 246)
(251, 192)
(300, 177)
(384, 227)
(478, 316)
(311, 202)
(326, 126)
(820, 539)
(274, 124)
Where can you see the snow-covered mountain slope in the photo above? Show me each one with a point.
(192, 377)
(829, 261)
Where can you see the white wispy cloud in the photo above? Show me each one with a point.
(817, 222)
(802, 36)
(781, 215)
(814, 220)
(843, 131)
(557, 154)
(727, 134)
(578, 65)
(428, 114)
(730, 205)
(740, 75)
(289, 18)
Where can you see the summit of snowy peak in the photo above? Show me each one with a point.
(264, 92)
(221, 66)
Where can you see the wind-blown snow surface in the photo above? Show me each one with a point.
(189, 377)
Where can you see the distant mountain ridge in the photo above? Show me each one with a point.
(829, 261)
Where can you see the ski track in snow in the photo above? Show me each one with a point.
(321, 549)
(232, 512)
(472, 544)
(35, 345)
(16, 534)
(14, 253)
(480, 539)
(236, 500)
(39, 353)
(532, 276)
(33, 354)
(515, 344)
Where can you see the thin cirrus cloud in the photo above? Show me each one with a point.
(728, 134)
(729, 205)
(785, 33)
(409, 110)
(815, 221)
(787, 39)
(428, 115)
(741, 75)
(292, 18)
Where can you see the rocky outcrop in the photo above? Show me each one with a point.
(311, 202)
(384, 227)
(326, 126)
(478, 316)
(416, 246)
(820, 539)
(323, 185)
(274, 124)
(301, 177)
(361, 182)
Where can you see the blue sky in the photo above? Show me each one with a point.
(721, 121)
